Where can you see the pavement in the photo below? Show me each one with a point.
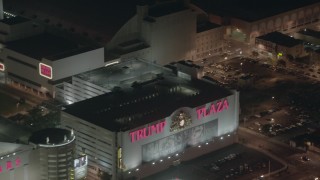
(291, 157)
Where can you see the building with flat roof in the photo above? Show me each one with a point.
(311, 37)
(280, 45)
(125, 28)
(153, 114)
(42, 61)
(247, 19)
(17, 27)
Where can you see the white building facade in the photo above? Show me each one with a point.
(212, 125)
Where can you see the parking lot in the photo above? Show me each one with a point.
(277, 101)
(233, 162)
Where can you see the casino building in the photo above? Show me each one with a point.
(138, 130)
(49, 155)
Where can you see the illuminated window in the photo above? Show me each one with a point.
(45, 70)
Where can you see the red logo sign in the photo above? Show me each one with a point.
(2, 67)
(9, 165)
(213, 109)
(45, 70)
(147, 131)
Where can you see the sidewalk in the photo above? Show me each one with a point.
(268, 152)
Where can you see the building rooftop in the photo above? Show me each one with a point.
(205, 26)
(10, 148)
(14, 20)
(97, 18)
(42, 46)
(166, 9)
(12, 133)
(122, 75)
(250, 10)
(280, 39)
(149, 97)
(53, 136)
(310, 32)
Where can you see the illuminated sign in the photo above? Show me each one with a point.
(10, 165)
(213, 109)
(80, 167)
(147, 131)
(2, 67)
(45, 70)
(83, 161)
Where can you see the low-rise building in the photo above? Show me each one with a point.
(279, 45)
(310, 36)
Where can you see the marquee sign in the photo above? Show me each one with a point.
(45, 70)
(2, 67)
(180, 121)
(10, 165)
(147, 131)
(213, 109)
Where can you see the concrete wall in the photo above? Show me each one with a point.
(76, 64)
(96, 142)
(28, 68)
(209, 43)
(171, 37)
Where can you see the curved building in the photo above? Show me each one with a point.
(56, 151)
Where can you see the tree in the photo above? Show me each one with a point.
(290, 57)
(255, 53)
(281, 62)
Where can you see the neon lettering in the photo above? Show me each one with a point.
(147, 131)
(9, 165)
(200, 112)
(132, 136)
(214, 108)
(219, 104)
(18, 162)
